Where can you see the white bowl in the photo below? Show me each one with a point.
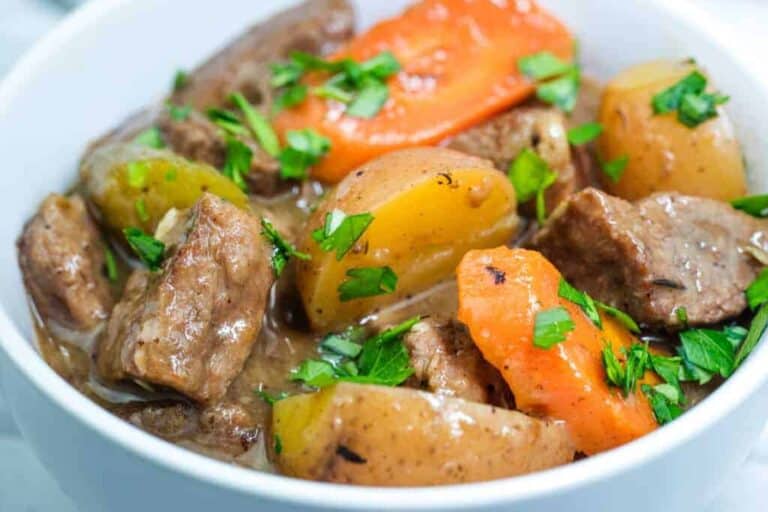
(112, 57)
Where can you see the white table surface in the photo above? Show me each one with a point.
(24, 484)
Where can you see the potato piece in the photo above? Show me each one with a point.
(430, 206)
(117, 176)
(664, 154)
(374, 435)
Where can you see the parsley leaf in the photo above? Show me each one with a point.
(687, 97)
(227, 121)
(584, 133)
(543, 65)
(151, 137)
(614, 371)
(238, 162)
(271, 399)
(756, 330)
(620, 316)
(581, 299)
(290, 97)
(180, 79)
(150, 250)
(110, 265)
(551, 326)
(278, 445)
(305, 148)
(709, 350)
(137, 172)
(141, 209)
(381, 359)
(757, 291)
(367, 282)
(179, 113)
(530, 175)
(638, 361)
(757, 205)
(561, 92)
(615, 168)
(682, 315)
(282, 250)
(665, 409)
(260, 127)
(369, 101)
(340, 231)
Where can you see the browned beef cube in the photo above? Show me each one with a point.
(661, 253)
(447, 362)
(191, 326)
(61, 255)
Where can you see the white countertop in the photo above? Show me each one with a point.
(24, 484)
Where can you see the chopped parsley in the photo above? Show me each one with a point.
(278, 445)
(305, 148)
(757, 205)
(227, 121)
(682, 315)
(558, 81)
(551, 326)
(110, 265)
(367, 282)
(688, 97)
(755, 332)
(180, 79)
(179, 113)
(137, 172)
(151, 137)
(360, 85)
(707, 350)
(238, 162)
(141, 209)
(381, 359)
(262, 131)
(531, 176)
(625, 376)
(150, 250)
(615, 168)
(581, 299)
(271, 399)
(340, 231)
(282, 250)
(664, 400)
(584, 133)
(620, 316)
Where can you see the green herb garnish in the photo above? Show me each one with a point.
(708, 350)
(136, 173)
(278, 445)
(543, 65)
(615, 168)
(551, 326)
(238, 162)
(110, 265)
(531, 177)
(179, 113)
(689, 99)
(141, 209)
(227, 121)
(664, 400)
(757, 291)
(271, 399)
(262, 131)
(151, 137)
(282, 250)
(581, 299)
(682, 315)
(757, 206)
(620, 316)
(305, 148)
(340, 231)
(180, 79)
(756, 330)
(367, 282)
(561, 92)
(150, 250)
(290, 97)
(584, 133)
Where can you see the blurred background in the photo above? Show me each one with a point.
(24, 485)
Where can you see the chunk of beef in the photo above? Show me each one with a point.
(543, 129)
(447, 362)
(173, 421)
(61, 255)
(315, 26)
(191, 326)
(228, 426)
(661, 253)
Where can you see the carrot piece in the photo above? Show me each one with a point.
(459, 66)
(567, 381)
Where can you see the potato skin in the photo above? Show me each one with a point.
(171, 182)
(430, 206)
(374, 435)
(664, 154)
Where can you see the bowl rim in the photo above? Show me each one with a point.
(746, 381)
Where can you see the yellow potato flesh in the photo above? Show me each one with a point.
(168, 181)
(430, 206)
(373, 435)
(664, 154)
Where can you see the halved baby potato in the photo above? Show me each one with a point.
(663, 153)
(430, 206)
(133, 185)
(374, 435)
